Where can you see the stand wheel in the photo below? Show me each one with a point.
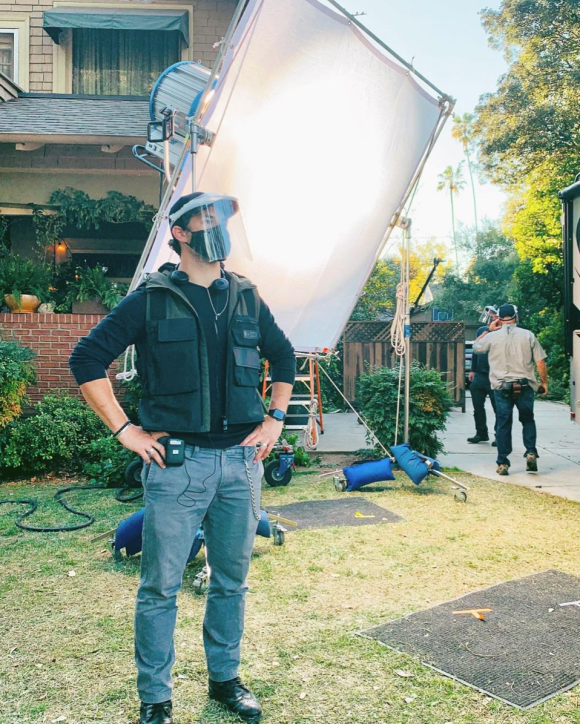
(201, 582)
(460, 496)
(117, 554)
(133, 473)
(339, 484)
(279, 537)
(273, 477)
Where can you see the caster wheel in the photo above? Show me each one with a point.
(273, 477)
(339, 485)
(279, 537)
(133, 473)
(200, 583)
(460, 496)
(118, 554)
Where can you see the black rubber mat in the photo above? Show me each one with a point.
(326, 513)
(525, 651)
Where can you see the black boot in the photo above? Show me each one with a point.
(237, 698)
(156, 713)
(477, 438)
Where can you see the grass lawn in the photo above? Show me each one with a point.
(67, 647)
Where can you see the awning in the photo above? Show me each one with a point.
(105, 19)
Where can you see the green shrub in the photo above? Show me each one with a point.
(20, 276)
(428, 410)
(56, 436)
(16, 373)
(106, 461)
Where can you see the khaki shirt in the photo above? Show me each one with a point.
(512, 352)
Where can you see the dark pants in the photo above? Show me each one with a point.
(480, 388)
(504, 416)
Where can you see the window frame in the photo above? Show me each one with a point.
(63, 52)
(19, 25)
(14, 32)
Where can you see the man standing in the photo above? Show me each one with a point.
(199, 332)
(512, 352)
(480, 387)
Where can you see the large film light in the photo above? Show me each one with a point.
(318, 134)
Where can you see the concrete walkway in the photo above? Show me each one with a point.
(342, 434)
(558, 446)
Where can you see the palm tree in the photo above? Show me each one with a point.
(452, 180)
(462, 131)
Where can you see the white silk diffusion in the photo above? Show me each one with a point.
(318, 134)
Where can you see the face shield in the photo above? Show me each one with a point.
(214, 227)
(489, 313)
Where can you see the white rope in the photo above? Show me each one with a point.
(128, 374)
(398, 323)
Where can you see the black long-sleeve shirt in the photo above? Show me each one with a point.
(125, 326)
(479, 362)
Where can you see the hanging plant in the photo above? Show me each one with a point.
(48, 229)
(78, 209)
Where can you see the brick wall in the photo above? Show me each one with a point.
(210, 22)
(52, 337)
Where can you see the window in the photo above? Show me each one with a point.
(121, 62)
(9, 53)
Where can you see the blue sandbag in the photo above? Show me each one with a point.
(129, 535)
(196, 547)
(264, 525)
(374, 472)
(413, 463)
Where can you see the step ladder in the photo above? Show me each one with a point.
(305, 406)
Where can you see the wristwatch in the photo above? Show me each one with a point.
(277, 415)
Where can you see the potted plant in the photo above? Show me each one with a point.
(91, 292)
(24, 283)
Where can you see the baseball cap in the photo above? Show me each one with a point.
(507, 311)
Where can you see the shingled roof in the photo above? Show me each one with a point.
(8, 89)
(64, 118)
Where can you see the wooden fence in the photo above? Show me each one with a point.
(437, 345)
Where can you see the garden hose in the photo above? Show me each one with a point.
(58, 497)
(126, 499)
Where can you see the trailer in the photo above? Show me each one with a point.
(570, 198)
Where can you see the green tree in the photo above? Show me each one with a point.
(533, 115)
(452, 181)
(462, 131)
(528, 133)
(379, 293)
(489, 275)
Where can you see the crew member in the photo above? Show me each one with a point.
(199, 332)
(480, 386)
(512, 352)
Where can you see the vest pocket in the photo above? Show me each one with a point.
(175, 358)
(247, 368)
(246, 331)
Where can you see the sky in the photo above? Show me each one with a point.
(446, 43)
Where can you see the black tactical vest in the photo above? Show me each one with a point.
(173, 363)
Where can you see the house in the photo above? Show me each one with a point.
(75, 79)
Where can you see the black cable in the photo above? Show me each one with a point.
(124, 499)
(34, 505)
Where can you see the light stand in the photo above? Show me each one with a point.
(405, 224)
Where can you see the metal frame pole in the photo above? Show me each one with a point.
(408, 360)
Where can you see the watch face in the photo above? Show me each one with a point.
(277, 415)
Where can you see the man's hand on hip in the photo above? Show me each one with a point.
(267, 435)
(144, 444)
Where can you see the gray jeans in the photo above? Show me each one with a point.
(212, 487)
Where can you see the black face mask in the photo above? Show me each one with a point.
(212, 244)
